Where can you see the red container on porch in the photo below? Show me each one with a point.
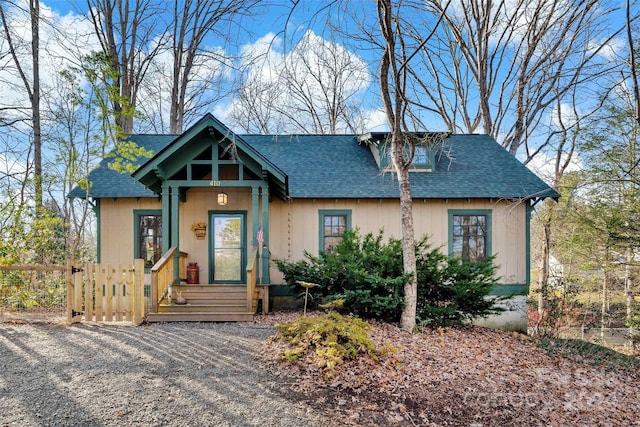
(193, 273)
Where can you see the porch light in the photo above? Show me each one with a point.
(222, 198)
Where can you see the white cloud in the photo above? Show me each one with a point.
(63, 40)
(611, 50)
(375, 121)
(155, 93)
(12, 175)
(11, 166)
(279, 84)
(566, 114)
(544, 166)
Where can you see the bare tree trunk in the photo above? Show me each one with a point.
(628, 283)
(394, 111)
(33, 91)
(544, 262)
(193, 22)
(408, 317)
(632, 63)
(125, 30)
(566, 145)
(628, 290)
(605, 294)
(34, 8)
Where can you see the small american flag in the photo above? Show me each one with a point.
(260, 236)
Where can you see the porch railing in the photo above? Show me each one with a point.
(162, 276)
(183, 266)
(251, 276)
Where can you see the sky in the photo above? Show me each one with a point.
(260, 32)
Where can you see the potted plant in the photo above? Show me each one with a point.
(200, 228)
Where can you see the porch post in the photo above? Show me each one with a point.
(166, 216)
(265, 231)
(175, 231)
(255, 215)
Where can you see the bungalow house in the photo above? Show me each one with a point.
(224, 205)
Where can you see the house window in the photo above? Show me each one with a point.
(333, 224)
(148, 231)
(470, 234)
(422, 157)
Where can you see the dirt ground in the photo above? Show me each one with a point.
(468, 377)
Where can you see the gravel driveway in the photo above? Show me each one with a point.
(175, 374)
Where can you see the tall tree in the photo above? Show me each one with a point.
(501, 67)
(32, 88)
(395, 72)
(633, 64)
(633, 71)
(582, 119)
(131, 35)
(75, 149)
(193, 22)
(314, 88)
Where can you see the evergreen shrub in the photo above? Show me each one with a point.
(367, 274)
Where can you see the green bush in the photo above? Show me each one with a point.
(363, 271)
(633, 322)
(451, 291)
(368, 275)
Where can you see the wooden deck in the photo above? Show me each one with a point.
(208, 303)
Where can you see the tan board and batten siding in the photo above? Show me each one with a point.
(294, 225)
(116, 227)
(300, 220)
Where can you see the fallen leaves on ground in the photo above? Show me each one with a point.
(469, 376)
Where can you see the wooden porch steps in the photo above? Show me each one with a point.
(199, 317)
(206, 303)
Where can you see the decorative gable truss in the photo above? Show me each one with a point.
(209, 154)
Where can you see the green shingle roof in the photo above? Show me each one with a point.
(108, 183)
(337, 166)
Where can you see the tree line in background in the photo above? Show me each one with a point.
(555, 82)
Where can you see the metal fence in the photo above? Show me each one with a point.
(33, 293)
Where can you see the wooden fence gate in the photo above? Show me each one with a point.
(106, 292)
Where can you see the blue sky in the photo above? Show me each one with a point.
(261, 30)
(262, 27)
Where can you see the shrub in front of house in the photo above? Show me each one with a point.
(450, 291)
(328, 340)
(367, 273)
(361, 270)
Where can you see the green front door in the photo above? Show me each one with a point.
(228, 250)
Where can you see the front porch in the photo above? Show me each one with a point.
(211, 182)
(203, 302)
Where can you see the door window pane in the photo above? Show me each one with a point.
(227, 265)
(228, 248)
